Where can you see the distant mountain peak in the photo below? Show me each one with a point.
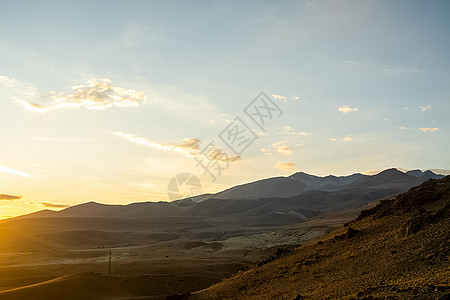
(89, 203)
(390, 172)
(302, 174)
(275, 187)
(424, 174)
(429, 172)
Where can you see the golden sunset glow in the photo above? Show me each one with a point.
(256, 149)
(114, 114)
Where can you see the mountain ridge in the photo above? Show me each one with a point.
(313, 196)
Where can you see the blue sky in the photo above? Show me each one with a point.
(107, 101)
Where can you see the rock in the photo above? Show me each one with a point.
(351, 232)
(348, 235)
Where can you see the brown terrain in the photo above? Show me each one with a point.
(397, 250)
(277, 248)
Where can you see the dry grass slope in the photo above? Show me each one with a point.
(396, 250)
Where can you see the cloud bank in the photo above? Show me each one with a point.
(189, 147)
(93, 94)
(8, 81)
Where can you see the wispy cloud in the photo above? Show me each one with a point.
(346, 109)
(289, 130)
(9, 197)
(215, 153)
(262, 133)
(285, 166)
(33, 106)
(286, 99)
(425, 108)
(8, 81)
(52, 205)
(347, 139)
(428, 129)
(282, 148)
(189, 147)
(352, 62)
(8, 170)
(265, 151)
(93, 94)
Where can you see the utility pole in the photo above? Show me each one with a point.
(109, 265)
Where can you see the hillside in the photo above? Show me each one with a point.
(398, 249)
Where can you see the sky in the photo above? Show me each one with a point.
(108, 101)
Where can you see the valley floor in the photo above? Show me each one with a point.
(149, 270)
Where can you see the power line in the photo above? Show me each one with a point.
(109, 264)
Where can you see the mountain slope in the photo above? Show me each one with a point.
(223, 218)
(398, 249)
(284, 187)
(300, 189)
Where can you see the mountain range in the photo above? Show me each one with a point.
(258, 205)
(161, 248)
(283, 187)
